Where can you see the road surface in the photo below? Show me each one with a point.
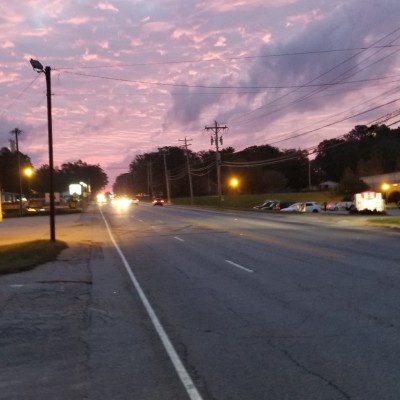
(176, 303)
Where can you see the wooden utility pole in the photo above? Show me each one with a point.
(17, 132)
(38, 67)
(188, 166)
(150, 180)
(166, 176)
(217, 140)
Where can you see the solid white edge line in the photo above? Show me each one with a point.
(239, 266)
(173, 355)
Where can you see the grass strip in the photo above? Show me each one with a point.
(385, 221)
(20, 257)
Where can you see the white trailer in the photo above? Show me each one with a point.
(369, 201)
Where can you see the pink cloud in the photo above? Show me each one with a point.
(39, 32)
(305, 18)
(150, 41)
(221, 42)
(158, 26)
(76, 21)
(7, 45)
(89, 56)
(107, 7)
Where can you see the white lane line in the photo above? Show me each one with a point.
(239, 266)
(184, 376)
(178, 238)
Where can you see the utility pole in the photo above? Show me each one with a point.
(150, 179)
(17, 132)
(217, 140)
(38, 67)
(166, 176)
(188, 167)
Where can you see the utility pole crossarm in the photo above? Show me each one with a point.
(216, 139)
(188, 167)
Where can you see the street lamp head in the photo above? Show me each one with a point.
(28, 172)
(36, 65)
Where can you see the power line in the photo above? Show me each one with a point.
(19, 96)
(290, 135)
(311, 81)
(299, 53)
(184, 85)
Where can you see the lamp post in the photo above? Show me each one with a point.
(38, 67)
(28, 173)
(385, 188)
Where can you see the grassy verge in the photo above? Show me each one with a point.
(391, 221)
(24, 256)
(249, 201)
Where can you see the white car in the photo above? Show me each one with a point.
(307, 206)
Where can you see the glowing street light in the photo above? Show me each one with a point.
(385, 188)
(28, 172)
(234, 183)
(38, 67)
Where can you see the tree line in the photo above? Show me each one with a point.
(364, 151)
(12, 164)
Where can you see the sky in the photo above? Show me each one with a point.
(131, 76)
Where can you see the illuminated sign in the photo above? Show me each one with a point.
(75, 189)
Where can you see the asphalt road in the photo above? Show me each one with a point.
(271, 307)
(173, 303)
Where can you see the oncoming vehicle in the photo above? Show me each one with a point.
(158, 202)
(135, 201)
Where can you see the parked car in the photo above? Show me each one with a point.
(295, 207)
(282, 204)
(307, 206)
(332, 207)
(267, 205)
(135, 201)
(158, 202)
(346, 205)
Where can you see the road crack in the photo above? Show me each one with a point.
(304, 368)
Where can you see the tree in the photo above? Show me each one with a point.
(80, 171)
(9, 170)
(350, 184)
(377, 146)
(124, 185)
(372, 166)
(70, 173)
(274, 181)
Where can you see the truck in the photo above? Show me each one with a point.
(369, 202)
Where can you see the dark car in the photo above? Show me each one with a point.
(158, 202)
(267, 205)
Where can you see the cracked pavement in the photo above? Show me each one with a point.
(73, 329)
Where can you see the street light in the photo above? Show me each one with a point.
(234, 182)
(385, 188)
(28, 172)
(38, 67)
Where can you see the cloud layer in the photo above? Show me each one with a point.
(131, 76)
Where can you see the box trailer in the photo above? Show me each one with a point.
(369, 201)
